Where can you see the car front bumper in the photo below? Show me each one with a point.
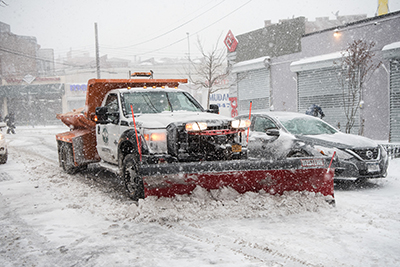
(355, 169)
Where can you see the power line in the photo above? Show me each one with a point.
(180, 40)
(174, 29)
(37, 58)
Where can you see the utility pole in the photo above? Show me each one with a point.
(188, 51)
(97, 51)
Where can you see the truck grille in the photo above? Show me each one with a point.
(199, 147)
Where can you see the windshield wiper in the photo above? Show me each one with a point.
(150, 104)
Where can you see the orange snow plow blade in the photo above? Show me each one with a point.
(242, 175)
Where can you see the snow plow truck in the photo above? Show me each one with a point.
(161, 142)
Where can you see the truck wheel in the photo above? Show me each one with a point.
(3, 159)
(133, 182)
(67, 159)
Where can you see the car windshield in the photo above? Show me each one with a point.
(157, 102)
(306, 126)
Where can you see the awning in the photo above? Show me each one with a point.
(253, 64)
(318, 62)
(32, 89)
(391, 50)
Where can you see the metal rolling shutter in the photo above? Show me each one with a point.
(253, 86)
(395, 100)
(321, 87)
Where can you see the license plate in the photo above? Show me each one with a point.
(312, 163)
(373, 167)
(236, 148)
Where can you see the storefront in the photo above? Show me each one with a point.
(253, 84)
(317, 83)
(32, 104)
(392, 53)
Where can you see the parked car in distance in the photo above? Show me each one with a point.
(3, 149)
(280, 134)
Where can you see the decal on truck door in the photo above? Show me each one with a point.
(105, 136)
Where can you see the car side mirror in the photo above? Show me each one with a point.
(213, 109)
(273, 132)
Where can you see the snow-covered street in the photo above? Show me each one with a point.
(50, 218)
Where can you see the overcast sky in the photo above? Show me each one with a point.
(158, 28)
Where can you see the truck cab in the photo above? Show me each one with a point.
(171, 126)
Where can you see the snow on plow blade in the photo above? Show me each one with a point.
(297, 174)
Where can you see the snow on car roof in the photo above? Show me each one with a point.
(282, 114)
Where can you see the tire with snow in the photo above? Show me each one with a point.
(3, 159)
(297, 153)
(67, 159)
(133, 182)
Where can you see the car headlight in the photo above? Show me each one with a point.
(156, 140)
(384, 153)
(328, 151)
(195, 126)
(240, 124)
(1, 136)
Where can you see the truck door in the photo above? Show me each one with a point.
(107, 135)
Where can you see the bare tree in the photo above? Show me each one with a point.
(211, 71)
(356, 67)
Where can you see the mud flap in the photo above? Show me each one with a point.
(297, 174)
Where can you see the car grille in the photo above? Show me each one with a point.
(367, 154)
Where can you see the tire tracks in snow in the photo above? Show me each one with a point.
(251, 250)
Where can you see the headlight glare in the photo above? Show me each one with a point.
(156, 140)
(196, 126)
(240, 124)
(156, 137)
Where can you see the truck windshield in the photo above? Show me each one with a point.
(157, 102)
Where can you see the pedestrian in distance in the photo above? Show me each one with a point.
(10, 119)
(315, 110)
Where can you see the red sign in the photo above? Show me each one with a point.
(234, 105)
(230, 42)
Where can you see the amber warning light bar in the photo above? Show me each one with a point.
(142, 74)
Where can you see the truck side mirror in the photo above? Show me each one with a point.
(101, 115)
(213, 109)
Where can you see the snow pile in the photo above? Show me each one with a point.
(226, 203)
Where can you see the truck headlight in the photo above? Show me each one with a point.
(195, 126)
(240, 124)
(156, 140)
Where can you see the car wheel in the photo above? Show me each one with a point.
(361, 181)
(133, 182)
(298, 153)
(67, 159)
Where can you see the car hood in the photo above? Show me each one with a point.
(339, 140)
(162, 120)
